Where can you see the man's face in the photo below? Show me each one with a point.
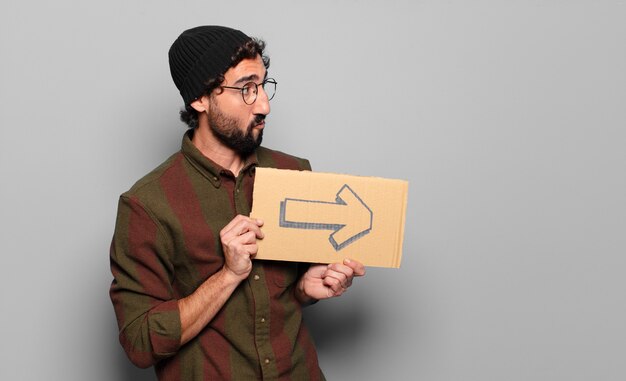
(236, 124)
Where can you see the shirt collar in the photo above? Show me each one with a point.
(207, 167)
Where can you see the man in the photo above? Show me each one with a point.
(189, 297)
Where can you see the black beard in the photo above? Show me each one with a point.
(226, 130)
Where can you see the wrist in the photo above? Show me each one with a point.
(301, 294)
(230, 276)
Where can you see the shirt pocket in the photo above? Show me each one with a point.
(282, 274)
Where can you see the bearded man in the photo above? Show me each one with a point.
(189, 297)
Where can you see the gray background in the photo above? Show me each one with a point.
(507, 118)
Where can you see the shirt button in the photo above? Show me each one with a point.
(256, 277)
(267, 361)
(215, 178)
(262, 320)
(237, 190)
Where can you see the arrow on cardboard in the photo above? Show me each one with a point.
(348, 217)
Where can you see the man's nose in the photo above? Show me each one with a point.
(262, 103)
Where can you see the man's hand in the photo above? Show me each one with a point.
(239, 243)
(327, 281)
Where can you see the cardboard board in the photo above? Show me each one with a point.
(325, 217)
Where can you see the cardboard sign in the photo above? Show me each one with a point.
(325, 217)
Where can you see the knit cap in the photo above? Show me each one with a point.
(202, 53)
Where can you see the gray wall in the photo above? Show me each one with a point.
(507, 118)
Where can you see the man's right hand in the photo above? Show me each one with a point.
(238, 240)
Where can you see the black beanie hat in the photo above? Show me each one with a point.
(200, 54)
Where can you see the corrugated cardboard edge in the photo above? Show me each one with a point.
(402, 227)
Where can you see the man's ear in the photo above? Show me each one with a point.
(201, 104)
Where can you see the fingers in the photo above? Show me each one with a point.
(335, 286)
(338, 276)
(239, 226)
(356, 266)
(341, 273)
(240, 235)
(238, 239)
(349, 268)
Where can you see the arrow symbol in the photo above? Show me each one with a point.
(348, 217)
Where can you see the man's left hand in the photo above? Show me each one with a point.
(327, 281)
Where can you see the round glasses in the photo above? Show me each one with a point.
(250, 90)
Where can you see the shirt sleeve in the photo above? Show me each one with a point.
(147, 311)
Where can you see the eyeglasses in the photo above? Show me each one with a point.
(250, 90)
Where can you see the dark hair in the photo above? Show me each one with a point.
(249, 50)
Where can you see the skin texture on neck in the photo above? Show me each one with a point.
(230, 103)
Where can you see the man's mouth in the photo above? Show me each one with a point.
(259, 122)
